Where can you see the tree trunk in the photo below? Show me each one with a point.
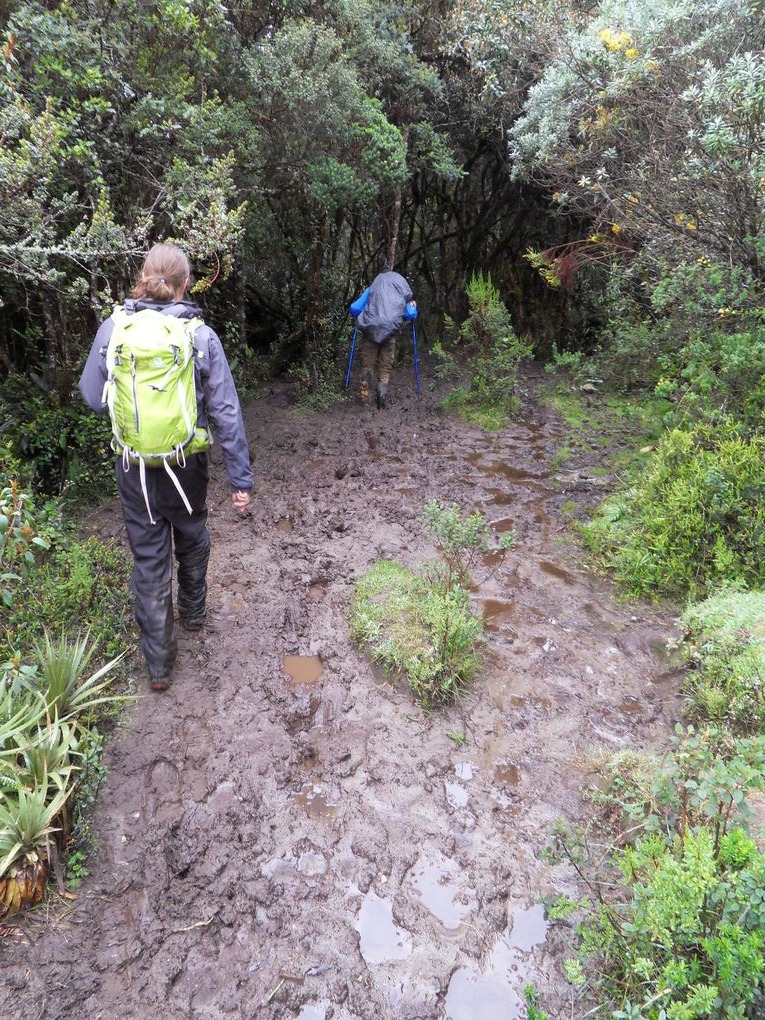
(395, 219)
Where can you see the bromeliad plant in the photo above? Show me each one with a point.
(43, 728)
(61, 667)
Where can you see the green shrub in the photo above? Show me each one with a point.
(78, 585)
(674, 927)
(494, 353)
(627, 356)
(490, 401)
(694, 520)
(417, 628)
(488, 320)
(725, 642)
(421, 625)
(20, 543)
(64, 449)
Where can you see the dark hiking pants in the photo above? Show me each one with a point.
(152, 548)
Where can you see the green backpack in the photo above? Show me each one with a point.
(151, 393)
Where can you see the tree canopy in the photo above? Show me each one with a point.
(290, 147)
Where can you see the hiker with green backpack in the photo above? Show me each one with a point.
(163, 377)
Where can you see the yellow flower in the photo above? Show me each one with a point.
(615, 228)
(691, 225)
(610, 41)
(630, 53)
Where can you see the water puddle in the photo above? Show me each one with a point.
(463, 770)
(540, 516)
(381, 941)
(493, 608)
(285, 524)
(302, 669)
(553, 570)
(535, 700)
(503, 524)
(500, 497)
(499, 468)
(313, 1011)
(528, 928)
(438, 887)
(507, 774)
(496, 991)
(631, 706)
(315, 802)
(671, 658)
(493, 559)
(312, 864)
(456, 795)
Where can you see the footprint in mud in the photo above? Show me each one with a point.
(162, 796)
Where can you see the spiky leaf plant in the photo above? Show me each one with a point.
(49, 755)
(62, 664)
(26, 825)
(20, 714)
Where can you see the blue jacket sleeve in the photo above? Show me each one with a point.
(93, 376)
(222, 409)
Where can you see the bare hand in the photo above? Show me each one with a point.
(240, 500)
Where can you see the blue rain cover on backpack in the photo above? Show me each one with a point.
(358, 306)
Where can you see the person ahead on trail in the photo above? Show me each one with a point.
(164, 378)
(389, 294)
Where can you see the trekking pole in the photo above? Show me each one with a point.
(416, 359)
(350, 359)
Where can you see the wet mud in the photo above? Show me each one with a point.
(285, 832)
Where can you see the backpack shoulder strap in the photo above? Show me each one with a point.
(119, 316)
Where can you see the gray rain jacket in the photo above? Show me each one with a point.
(217, 401)
(384, 311)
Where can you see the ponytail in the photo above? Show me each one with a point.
(164, 275)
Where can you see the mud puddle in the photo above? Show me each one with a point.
(286, 833)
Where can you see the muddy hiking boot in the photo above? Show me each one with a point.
(193, 624)
(382, 393)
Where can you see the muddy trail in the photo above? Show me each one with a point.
(285, 832)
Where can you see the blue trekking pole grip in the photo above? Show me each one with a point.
(350, 359)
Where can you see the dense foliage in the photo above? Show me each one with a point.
(673, 927)
(287, 148)
(693, 520)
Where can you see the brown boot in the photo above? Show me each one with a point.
(366, 400)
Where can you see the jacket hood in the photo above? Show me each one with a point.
(179, 309)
